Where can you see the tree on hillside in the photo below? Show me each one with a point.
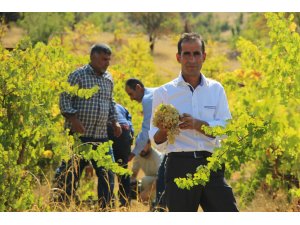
(40, 26)
(108, 21)
(10, 16)
(187, 18)
(156, 24)
(255, 29)
(208, 25)
(296, 19)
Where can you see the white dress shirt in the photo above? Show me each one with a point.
(206, 102)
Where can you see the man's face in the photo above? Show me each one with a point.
(191, 58)
(136, 94)
(100, 62)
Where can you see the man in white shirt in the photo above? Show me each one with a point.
(200, 101)
(149, 160)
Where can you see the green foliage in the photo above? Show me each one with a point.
(30, 121)
(207, 25)
(133, 60)
(256, 29)
(215, 62)
(76, 37)
(264, 101)
(45, 24)
(156, 24)
(3, 28)
(33, 140)
(103, 159)
(32, 136)
(107, 21)
(295, 192)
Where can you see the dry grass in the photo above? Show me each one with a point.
(276, 202)
(13, 35)
(165, 58)
(263, 201)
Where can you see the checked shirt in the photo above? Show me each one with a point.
(95, 112)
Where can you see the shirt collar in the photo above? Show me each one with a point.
(181, 81)
(146, 92)
(90, 68)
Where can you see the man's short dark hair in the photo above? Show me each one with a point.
(132, 82)
(186, 37)
(101, 48)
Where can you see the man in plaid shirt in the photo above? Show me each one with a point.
(89, 117)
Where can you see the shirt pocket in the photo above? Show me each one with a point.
(208, 112)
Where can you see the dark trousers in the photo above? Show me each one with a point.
(160, 186)
(68, 176)
(121, 149)
(215, 196)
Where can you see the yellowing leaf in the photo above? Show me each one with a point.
(293, 27)
(47, 154)
(55, 110)
(30, 78)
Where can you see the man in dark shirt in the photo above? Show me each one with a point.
(121, 149)
(89, 117)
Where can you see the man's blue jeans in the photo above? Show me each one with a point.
(74, 169)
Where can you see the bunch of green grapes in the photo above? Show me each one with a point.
(167, 117)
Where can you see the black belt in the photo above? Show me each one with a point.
(196, 154)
